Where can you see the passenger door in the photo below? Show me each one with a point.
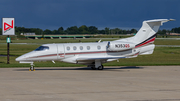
(60, 49)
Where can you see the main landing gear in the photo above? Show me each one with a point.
(97, 65)
(32, 67)
(94, 68)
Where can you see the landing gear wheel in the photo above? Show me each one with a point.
(93, 68)
(101, 67)
(32, 68)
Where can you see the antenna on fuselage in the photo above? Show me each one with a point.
(99, 41)
(53, 61)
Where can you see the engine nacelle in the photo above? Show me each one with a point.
(118, 46)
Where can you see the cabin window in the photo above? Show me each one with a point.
(88, 47)
(81, 47)
(42, 48)
(98, 47)
(68, 48)
(74, 48)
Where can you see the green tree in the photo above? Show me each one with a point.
(47, 31)
(116, 31)
(124, 31)
(38, 31)
(133, 31)
(175, 30)
(72, 30)
(93, 30)
(164, 31)
(60, 30)
(101, 32)
(84, 29)
(107, 31)
(55, 32)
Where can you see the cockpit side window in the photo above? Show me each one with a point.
(42, 48)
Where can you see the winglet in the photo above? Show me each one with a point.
(172, 19)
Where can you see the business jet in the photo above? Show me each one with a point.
(96, 53)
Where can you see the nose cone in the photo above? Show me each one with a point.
(21, 58)
(25, 56)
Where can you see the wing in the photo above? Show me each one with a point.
(103, 58)
(98, 58)
(82, 59)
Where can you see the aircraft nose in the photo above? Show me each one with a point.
(24, 56)
(19, 58)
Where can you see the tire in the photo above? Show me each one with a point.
(32, 68)
(101, 67)
(93, 68)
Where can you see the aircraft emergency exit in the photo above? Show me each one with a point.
(96, 53)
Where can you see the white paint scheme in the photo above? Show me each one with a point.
(97, 53)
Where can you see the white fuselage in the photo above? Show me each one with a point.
(71, 52)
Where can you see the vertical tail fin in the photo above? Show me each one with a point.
(147, 32)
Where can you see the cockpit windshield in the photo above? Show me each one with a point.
(42, 48)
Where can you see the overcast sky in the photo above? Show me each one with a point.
(52, 14)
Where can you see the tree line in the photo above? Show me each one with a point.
(84, 30)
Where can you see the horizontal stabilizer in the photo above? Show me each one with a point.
(147, 49)
(147, 52)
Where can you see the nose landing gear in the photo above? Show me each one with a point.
(32, 67)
